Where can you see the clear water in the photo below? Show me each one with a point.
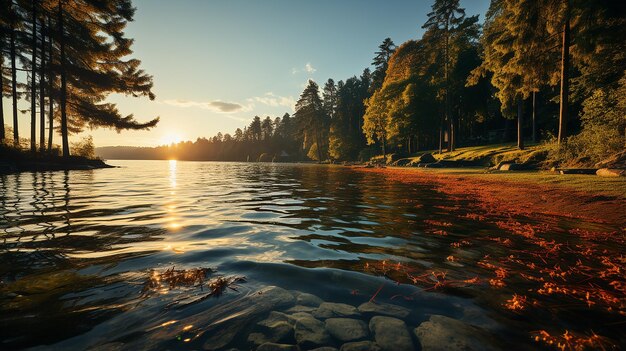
(77, 247)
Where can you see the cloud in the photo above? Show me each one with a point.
(270, 99)
(308, 68)
(215, 106)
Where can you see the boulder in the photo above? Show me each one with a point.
(301, 308)
(578, 171)
(346, 329)
(331, 310)
(308, 300)
(310, 332)
(611, 172)
(385, 309)
(390, 333)
(441, 333)
(511, 167)
(325, 348)
(360, 346)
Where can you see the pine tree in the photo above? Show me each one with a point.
(381, 62)
(445, 18)
(311, 118)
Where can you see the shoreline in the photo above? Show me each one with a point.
(49, 165)
(523, 193)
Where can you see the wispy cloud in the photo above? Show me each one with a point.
(308, 68)
(270, 99)
(215, 106)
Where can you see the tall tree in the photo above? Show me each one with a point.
(444, 19)
(311, 117)
(381, 62)
(33, 78)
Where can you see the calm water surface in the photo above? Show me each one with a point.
(77, 247)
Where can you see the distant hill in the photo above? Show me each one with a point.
(129, 153)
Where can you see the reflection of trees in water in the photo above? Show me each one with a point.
(41, 230)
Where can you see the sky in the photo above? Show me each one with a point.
(217, 64)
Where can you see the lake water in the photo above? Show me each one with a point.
(77, 248)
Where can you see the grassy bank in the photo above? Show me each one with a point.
(14, 160)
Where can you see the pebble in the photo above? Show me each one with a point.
(346, 329)
(390, 334)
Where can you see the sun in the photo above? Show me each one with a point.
(171, 138)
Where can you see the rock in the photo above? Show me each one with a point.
(441, 333)
(426, 158)
(432, 165)
(511, 167)
(308, 300)
(269, 346)
(611, 172)
(390, 333)
(274, 318)
(360, 346)
(346, 329)
(325, 348)
(310, 332)
(385, 309)
(331, 309)
(300, 308)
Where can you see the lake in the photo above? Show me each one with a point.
(85, 256)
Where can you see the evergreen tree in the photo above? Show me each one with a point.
(312, 121)
(380, 63)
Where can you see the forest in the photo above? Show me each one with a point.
(548, 72)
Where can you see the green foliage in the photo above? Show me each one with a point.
(594, 144)
(84, 148)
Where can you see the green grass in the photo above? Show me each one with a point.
(487, 154)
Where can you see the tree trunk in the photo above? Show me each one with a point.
(42, 95)
(33, 83)
(520, 123)
(16, 133)
(452, 134)
(50, 88)
(2, 135)
(441, 135)
(534, 117)
(384, 149)
(564, 95)
(63, 97)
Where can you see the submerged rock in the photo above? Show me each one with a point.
(385, 309)
(331, 310)
(346, 329)
(441, 333)
(310, 332)
(301, 308)
(305, 299)
(391, 333)
(360, 346)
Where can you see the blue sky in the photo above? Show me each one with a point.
(216, 64)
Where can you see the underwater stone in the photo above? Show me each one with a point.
(385, 309)
(445, 333)
(360, 346)
(390, 333)
(310, 332)
(276, 347)
(330, 310)
(346, 329)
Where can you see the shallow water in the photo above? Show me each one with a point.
(76, 249)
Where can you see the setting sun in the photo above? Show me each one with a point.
(169, 139)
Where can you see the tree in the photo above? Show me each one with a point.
(376, 120)
(255, 128)
(380, 63)
(311, 118)
(443, 21)
(267, 127)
